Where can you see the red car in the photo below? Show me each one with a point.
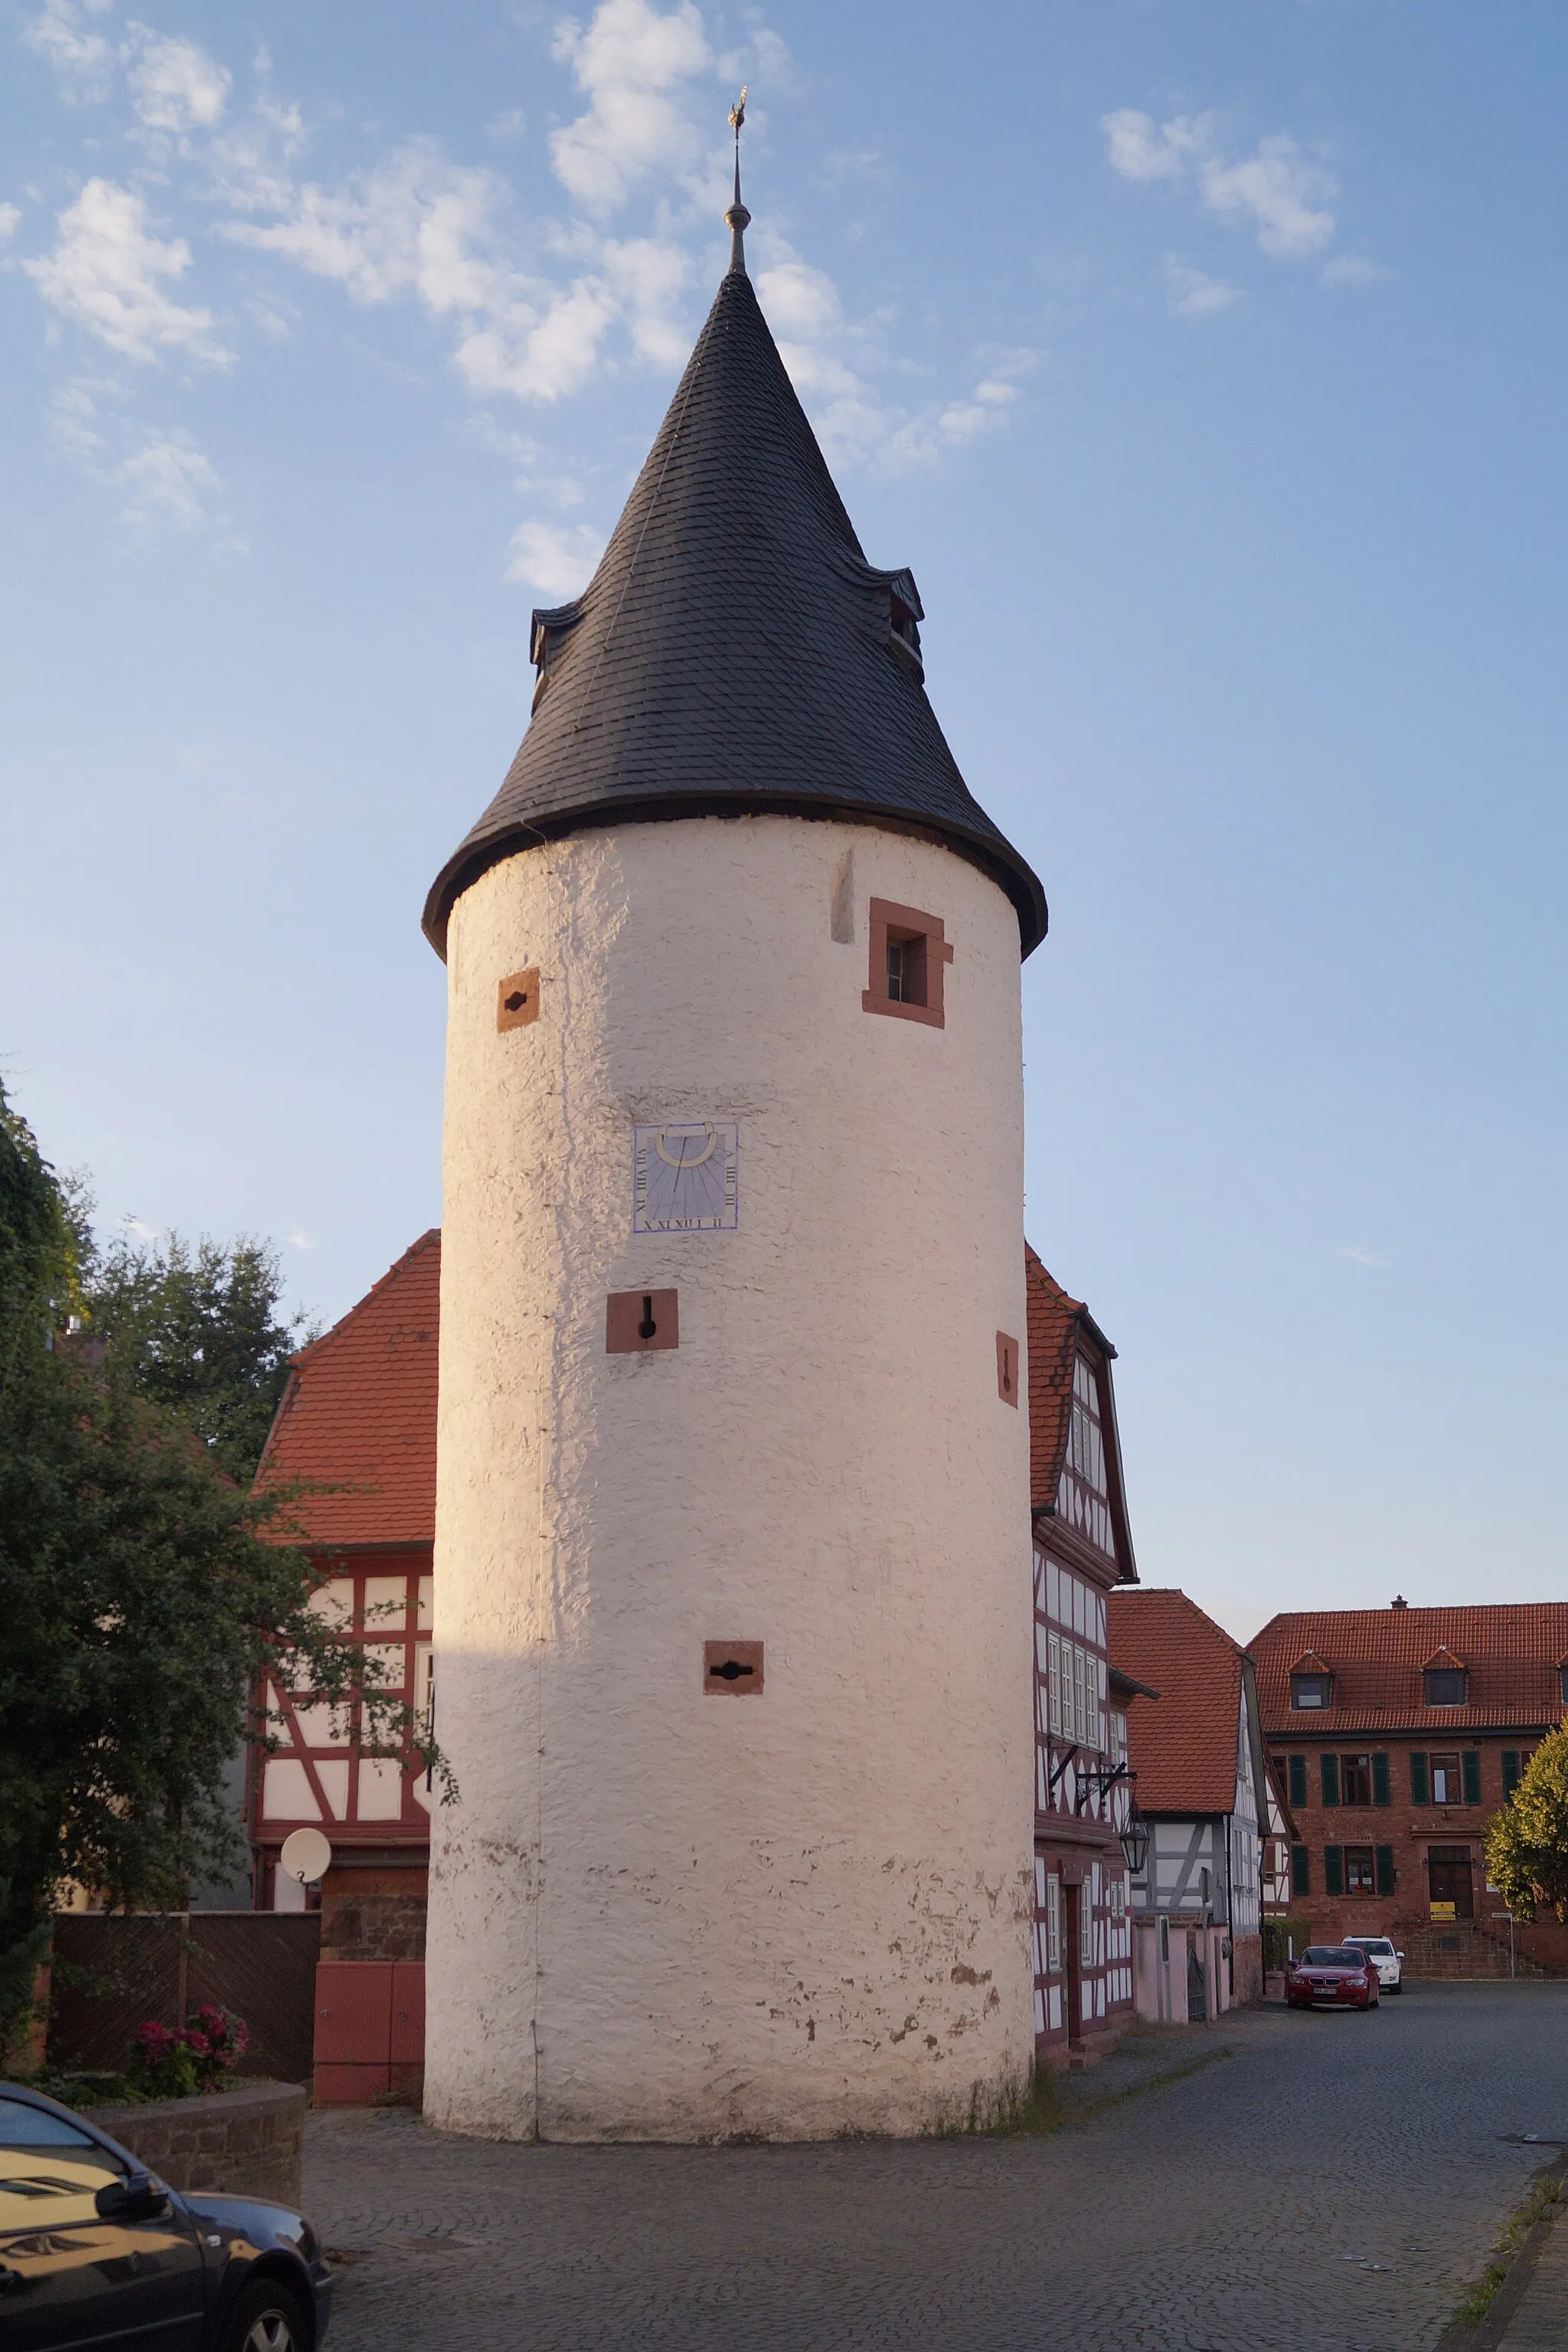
(1332, 1976)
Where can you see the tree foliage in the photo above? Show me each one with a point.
(201, 1330)
(1526, 1843)
(144, 1607)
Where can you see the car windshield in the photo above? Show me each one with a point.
(1378, 1946)
(1331, 1956)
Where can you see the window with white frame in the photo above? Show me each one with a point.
(1087, 1895)
(1055, 1684)
(1053, 1923)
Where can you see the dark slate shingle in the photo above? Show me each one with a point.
(731, 651)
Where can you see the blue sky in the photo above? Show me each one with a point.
(1204, 360)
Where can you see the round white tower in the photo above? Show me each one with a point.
(733, 1561)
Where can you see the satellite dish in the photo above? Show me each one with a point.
(307, 1855)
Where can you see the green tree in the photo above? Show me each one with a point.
(200, 1330)
(143, 1609)
(1526, 1843)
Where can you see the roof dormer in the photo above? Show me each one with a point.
(1311, 1684)
(1445, 1679)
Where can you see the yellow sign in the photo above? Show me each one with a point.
(1443, 1911)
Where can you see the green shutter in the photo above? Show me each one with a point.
(1418, 1795)
(1333, 1870)
(1329, 1767)
(1300, 1870)
(1509, 1773)
(1380, 1795)
(1299, 1781)
(1471, 1761)
(1383, 1855)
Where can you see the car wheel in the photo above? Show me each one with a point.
(266, 2318)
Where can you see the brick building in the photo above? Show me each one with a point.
(1398, 1733)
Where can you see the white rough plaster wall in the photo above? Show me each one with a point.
(656, 1913)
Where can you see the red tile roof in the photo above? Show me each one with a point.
(359, 1413)
(1376, 1656)
(1182, 1747)
(1053, 1320)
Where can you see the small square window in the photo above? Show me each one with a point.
(1446, 1685)
(908, 957)
(1311, 1690)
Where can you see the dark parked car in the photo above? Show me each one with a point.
(1333, 1976)
(95, 2251)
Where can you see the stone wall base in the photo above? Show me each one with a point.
(241, 2143)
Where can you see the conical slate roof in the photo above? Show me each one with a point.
(734, 652)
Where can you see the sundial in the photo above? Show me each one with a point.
(684, 1177)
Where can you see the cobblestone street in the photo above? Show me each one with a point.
(1325, 2188)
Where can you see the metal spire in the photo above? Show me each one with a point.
(738, 220)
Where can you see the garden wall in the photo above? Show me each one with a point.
(246, 2142)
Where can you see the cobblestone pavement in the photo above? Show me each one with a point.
(1326, 2187)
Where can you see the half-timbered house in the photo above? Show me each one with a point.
(1083, 1552)
(356, 1430)
(1203, 1788)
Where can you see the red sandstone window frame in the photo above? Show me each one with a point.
(889, 924)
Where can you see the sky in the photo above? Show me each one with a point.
(1205, 359)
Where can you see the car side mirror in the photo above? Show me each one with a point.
(1399, 1956)
(138, 2197)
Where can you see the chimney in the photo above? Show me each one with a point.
(1400, 1602)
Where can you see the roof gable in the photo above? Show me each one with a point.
(1186, 1749)
(1509, 1652)
(734, 652)
(359, 1415)
(1055, 1326)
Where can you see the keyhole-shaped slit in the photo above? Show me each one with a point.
(648, 1327)
(731, 1670)
(1006, 1372)
(517, 1000)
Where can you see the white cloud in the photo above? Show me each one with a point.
(166, 484)
(1352, 269)
(511, 123)
(423, 226)
(175, 86)
(1354, 1252)
(140, 1227)
(1193, 294)
(631, 62)
(1279, 191)
(556, 559)
(1140, 152)
(10, 221)
(249, 164)
(83, 61)
(107, 274)
(73, 420)
(301, 1240)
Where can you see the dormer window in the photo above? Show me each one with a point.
(1446, 1685)
(906, 628)
(1311, 1690)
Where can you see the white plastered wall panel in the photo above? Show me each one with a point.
(655, 1912)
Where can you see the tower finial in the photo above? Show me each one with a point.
(737, 220)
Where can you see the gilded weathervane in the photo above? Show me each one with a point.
(737, 220)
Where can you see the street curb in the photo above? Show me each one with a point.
(1486, 2334)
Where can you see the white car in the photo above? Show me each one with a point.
(1380, 1951)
